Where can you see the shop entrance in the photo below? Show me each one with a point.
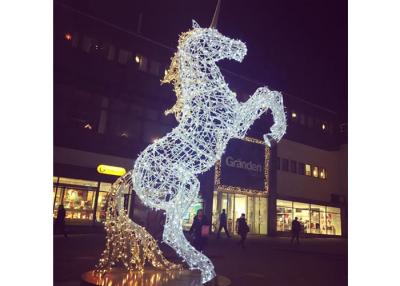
(254, 207)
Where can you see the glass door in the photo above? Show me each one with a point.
(240, 207)
(254, 207)
(258, 206)
(251, 215)
(230, 213)
(263, 215)
(257, 216)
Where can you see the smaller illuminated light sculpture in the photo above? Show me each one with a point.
(126, 241)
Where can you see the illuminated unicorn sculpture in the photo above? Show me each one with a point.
(165, 173)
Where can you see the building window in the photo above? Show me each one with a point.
(308, 170)
(77, 108)
(155, 68)
(137, 59)
(284, 215)
(302, 119)
(71, 38)
(87, 43)
(111, 52)
(302, 212)
(293, 166)
(104, 190)
(124, 56)
(322, 173)
(301, 168)
(79, 203)
(343, 128)
(315, 219)
(278, 163)
(285, 164)
(77, 196)
(99, 49)
(57, 199)
(333, 221)
(75, 40)
(124, 134)
(87, 126)
(142, 62)
(310, 122)
(101, 207)
(68, 36)
(315, 171)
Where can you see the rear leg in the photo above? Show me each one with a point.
(173, 232)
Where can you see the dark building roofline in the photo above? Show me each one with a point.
(157, 43)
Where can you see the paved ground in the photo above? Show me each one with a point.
(265, 261)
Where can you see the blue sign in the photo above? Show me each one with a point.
(242, 165)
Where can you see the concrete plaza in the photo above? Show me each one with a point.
(265, 261)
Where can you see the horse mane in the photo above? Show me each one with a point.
(172, 76)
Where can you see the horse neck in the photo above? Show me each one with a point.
(199, 76)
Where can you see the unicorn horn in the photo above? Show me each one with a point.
(214, 21)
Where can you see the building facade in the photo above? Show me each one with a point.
(109, 105)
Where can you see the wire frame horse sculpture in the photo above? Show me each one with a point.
(209, 115)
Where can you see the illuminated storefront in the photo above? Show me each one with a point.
(315, 219)
(82, 199)
(255, 208)
(241, 185)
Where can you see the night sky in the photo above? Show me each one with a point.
(298, 47)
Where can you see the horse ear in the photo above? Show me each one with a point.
(195, 24)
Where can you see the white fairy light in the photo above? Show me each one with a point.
(126, 241)
(209, 115)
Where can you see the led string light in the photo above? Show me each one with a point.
(241, 190)
(165, 173)
(126, 241)
(148, 279)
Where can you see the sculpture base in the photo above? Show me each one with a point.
(149, 277)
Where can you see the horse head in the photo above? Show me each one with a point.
(199, 49)
(209, 45)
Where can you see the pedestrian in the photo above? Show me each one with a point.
(222, 224)
(242, 229)
(200, 230)
(60, 220)
(296, 227)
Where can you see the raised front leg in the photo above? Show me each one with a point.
(255, 106)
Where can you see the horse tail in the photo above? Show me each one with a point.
(126, 241)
